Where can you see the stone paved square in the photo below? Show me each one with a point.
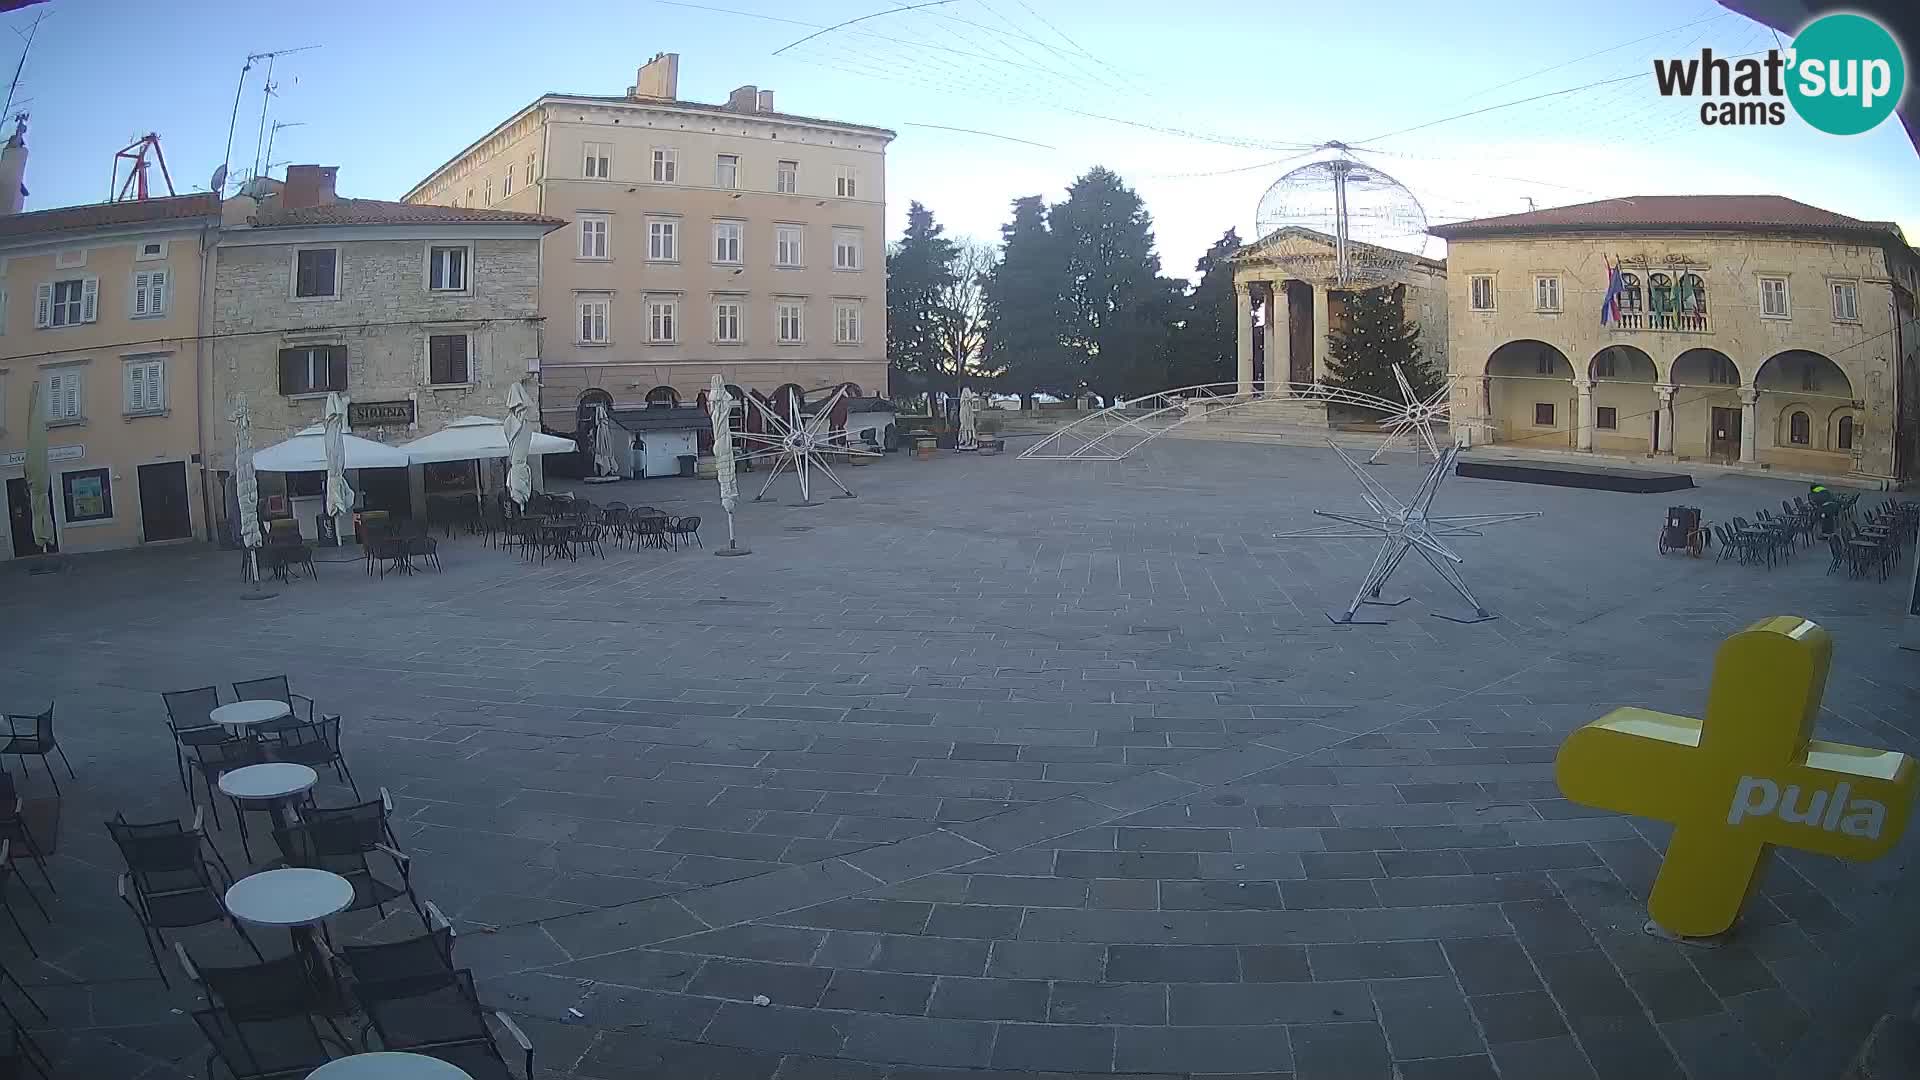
(1038, 768)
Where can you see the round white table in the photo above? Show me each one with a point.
(245, 714)
(296, 898)
(276, 783)
(388, 1066)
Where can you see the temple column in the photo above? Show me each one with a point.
(1243, 339)
(1320, 330)
(1277, 339)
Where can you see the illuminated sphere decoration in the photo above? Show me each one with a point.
(1375, 224)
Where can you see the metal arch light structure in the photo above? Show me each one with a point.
(800, 443)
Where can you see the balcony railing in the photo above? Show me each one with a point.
(1664, 322)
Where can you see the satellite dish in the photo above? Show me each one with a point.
(218, 185)
(1374, 223)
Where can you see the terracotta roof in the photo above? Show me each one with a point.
(701, 106)
(1690, 212)
(107, 215)
(382, 212)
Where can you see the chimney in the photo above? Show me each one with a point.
(308, 185)
(659, 78)
(744, 99)
(765, 103)
(13, 170)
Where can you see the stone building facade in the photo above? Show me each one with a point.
(1745, 329)
(419, 314)
(701, 239)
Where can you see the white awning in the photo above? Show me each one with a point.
(473, 437)
(307, 452)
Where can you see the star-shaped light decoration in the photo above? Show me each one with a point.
(1416, 415)
(1403, 527)
(800, 444)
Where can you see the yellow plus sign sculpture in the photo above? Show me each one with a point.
(1748, 777)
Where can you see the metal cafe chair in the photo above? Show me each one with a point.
(14, 828)
(679, 530)
(187, 712)
(284, 1048)
(268, 990)
(173, 884)
(315, 745)
(430, 953)
(340, 841)
(440, 1016)
(214, 759)
(274, 688)
(38, 742)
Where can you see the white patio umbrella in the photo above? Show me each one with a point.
(246, 485)
(606, 460)
(306, 451)
(720, 411)
(519, 435)
(478, 438)
(969, 436)
(39, 472)
(339, 495)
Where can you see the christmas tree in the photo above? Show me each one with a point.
(1375, 335)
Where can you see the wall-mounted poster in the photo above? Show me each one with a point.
(88, 495)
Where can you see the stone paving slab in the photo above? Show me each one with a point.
(1057, 774)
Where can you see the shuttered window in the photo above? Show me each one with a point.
(64, 396)
(66, 303)
(149, 293)
(313, 369)
(447, 360)
(146, 386)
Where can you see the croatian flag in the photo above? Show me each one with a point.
(1610, 304)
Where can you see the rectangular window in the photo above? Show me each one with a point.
(447, 363)
(1773, 298)
(1845, 302)
(787, 320)
(1480, 292)
(87, 495)
(152, 249)
(726, 321)
(532, 156)
(662, 315)
(1543, 414)
(489, 191)
(727, 238)
(66, 303)
(316, 272)
(447, 269)
(1606, 418)
(786, 245)
(786, 177)
(597, 162)
(726, 171)
(149, 293)
(846, 323)
(845, 182)
(1546, 293)
(663, 241)
(506, 184)
(593, 237)
(666, 165)
(593, 320)
(846, 249)
(313, 369)
(146, 384)
(64, 397)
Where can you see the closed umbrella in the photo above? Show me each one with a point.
(246, 486)
(519, 435)
(39, 472)
(720, 412)
(606, 452)
(339, 495)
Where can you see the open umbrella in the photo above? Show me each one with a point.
(720, 411)
(39, 472)
(246, 486)
(339, 495)
(519, 435)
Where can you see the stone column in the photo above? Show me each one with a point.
(1319, 333)
(1583, 429)
(1277, 339)
(1749, 421)
(1663, 433)
(1243, 339)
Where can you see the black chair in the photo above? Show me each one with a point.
(23, 1057)
(269, 990)
(14, 828)
(430, 953)
(426, 547)
(340, 841)
(213, 759)
(285, 1048)
(314, 745)
(440, 1015)
(680, 529)
(6, 876)
(174, 886)
(187, 712)
(274, 688)
(37, 743)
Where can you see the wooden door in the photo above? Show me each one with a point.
(164, 513)
(1723, 435)
(20, 520)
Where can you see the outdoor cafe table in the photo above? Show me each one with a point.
(388, 1066)
(245, 714)
(297, 898)
(276, 783)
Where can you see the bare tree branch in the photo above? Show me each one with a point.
(961, 321)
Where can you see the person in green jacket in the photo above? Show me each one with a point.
(1824, 502)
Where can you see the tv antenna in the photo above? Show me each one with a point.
(22, 65)
(226, 162)
(275, 130)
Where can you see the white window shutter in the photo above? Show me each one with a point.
(136, 387)
(89, 299)
(43, 306)
(140, 305)
(157, 385)
(157, 291)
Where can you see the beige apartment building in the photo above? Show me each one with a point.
(701, 239)
(100, 306)
(1745, 329)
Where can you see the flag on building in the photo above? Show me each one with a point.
(1610, 304)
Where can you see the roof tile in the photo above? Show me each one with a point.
(1672, 212)
(105, 215)
(382, 212)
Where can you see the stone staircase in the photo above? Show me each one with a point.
(1267, 419)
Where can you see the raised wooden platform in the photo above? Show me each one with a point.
(1559, 474)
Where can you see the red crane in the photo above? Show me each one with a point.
(135, 185)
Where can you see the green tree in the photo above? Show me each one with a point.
(1021, 299)
(919, 275)
(1203, 346)
(1373, 337)
(1114, 307)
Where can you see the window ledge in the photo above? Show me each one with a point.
(450, 292)
(89, 523)
(313, 299)
(789, 266)
(662, 344)
(450, 386)
(790, 344)
(71, 421)
(150, 315)
(848, 344)
(726, 344)
(593, 344)
(63, 326)
(593, 258)
(313, 395)
(144, 413)
(1777, 318)
(1548, 311)
(848, 269)
(1846, 322)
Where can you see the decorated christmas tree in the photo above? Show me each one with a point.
(1374, 336)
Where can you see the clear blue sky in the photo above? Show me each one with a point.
(1211, 87)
